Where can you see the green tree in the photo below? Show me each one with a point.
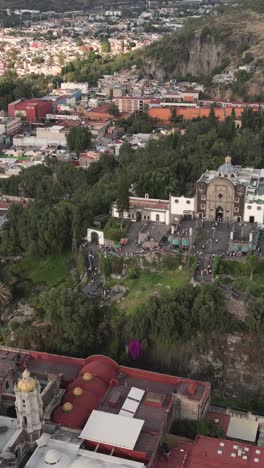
(252, 262)
(255, 317)
(113, 110)
(78, 327)
(208, 309)
(79, 139)
(205, 426)
(105, 46)
(123, 195)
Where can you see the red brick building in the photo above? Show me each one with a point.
(31, 110)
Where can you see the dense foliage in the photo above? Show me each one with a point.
(95, 66)
(180, 315)
(77, 327)
(190, 429)
(13, 88)
(79, 139)
(70, 197)
(66, 201)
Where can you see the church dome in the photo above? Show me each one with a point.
(52, 457)
(77, 391)
(67, 407)
(228, 167)
(26, 383)
(87, 377)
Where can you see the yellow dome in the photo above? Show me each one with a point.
(67, 407)
(77, 391)
(87, 377)
(26, 384)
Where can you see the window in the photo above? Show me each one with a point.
(203, 197)
(227, 211)
(7, 385)
(188, 202)
(176, 200)
(145, 217)
(236, 200)
(133, 216)
(249, 207)
(236, 209)
(219, 174)
(157, 217)
(129, 215)
(225, 176)
(232, 175)
(220, 195)
(203, 207)
(259, 208)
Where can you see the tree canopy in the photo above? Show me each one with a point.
(79, 139)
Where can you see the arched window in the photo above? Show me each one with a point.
(157, 217)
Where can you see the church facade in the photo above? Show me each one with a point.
(220, 195)
(230, 193)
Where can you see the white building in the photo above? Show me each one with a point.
(254, 210)
(83, 87)
(45, 136)
(159, 211)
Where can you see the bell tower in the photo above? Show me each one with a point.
(29, 407)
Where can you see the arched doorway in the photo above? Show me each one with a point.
(157, 218)
(139, 216)
(94, 238)
(219, 213)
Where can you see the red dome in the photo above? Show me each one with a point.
(82, 407)
(99, 368)
(96, 386)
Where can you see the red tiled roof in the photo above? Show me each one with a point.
(148, 203)
(207, 452)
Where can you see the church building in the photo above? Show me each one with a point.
(230, 193)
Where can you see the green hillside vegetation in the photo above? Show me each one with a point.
(66, 203)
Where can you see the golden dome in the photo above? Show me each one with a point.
(26, 384)
(77, 391)
(87, 377)
(67, 407)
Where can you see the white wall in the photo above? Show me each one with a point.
(99, 233)
(72, 86)
(180, 205)
(256, 210)
(44, 137)
(163, 216)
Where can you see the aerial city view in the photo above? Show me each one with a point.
(132, 233)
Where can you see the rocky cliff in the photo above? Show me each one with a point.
(210, 46)
(232, 363)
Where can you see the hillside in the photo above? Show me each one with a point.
(213, 45)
